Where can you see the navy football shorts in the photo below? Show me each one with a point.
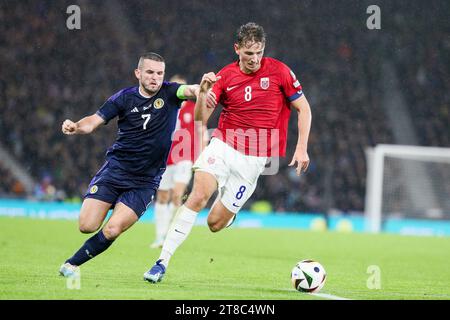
(137, 199)
(111, 187)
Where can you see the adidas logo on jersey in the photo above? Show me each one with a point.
(135, 109)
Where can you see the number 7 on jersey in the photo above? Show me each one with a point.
(147, 119)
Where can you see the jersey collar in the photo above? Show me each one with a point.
(143, 95)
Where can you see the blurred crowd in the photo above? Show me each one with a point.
(9, 184)
(50, 73)
(423, 63)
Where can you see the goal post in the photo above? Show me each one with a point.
(406, 182)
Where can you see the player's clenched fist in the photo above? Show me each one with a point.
(69, 127)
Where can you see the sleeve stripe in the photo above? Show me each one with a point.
(295, 96)
(101, 115)
(180, 92)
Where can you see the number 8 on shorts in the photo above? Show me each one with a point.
(240, 192)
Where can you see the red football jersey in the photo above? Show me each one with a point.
(256, 107)
(184, 146)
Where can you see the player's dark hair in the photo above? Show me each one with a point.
(250, 32)
(151, 56)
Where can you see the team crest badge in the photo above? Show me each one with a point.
(211, 160)
(159, 103)
(93, 189)
(265, 83)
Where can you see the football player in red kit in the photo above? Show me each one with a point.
(257, 94)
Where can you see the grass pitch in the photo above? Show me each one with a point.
(235, 263)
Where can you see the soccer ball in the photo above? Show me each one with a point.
(308, 276)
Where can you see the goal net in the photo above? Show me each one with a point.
(407, 182)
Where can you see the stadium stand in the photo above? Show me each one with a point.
(51, 73)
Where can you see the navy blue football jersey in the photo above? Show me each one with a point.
(145, 127)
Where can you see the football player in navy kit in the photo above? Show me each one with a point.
(128, 180)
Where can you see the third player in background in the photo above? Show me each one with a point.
(189, 139)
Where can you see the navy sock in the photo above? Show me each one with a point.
(91, 248)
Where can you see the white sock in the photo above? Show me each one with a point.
(178, 232)
(161, 213)
(172, 211)
(167, 219)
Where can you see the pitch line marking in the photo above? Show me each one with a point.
(328, 296)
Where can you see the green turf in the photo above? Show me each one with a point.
(232, 264)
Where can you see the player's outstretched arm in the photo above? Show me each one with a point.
(191, 93)
(203, 106)
(84, 126)
(304, 126)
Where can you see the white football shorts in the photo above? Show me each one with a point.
(236, 174)
(180, 172)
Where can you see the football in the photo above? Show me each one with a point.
(308, 276)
